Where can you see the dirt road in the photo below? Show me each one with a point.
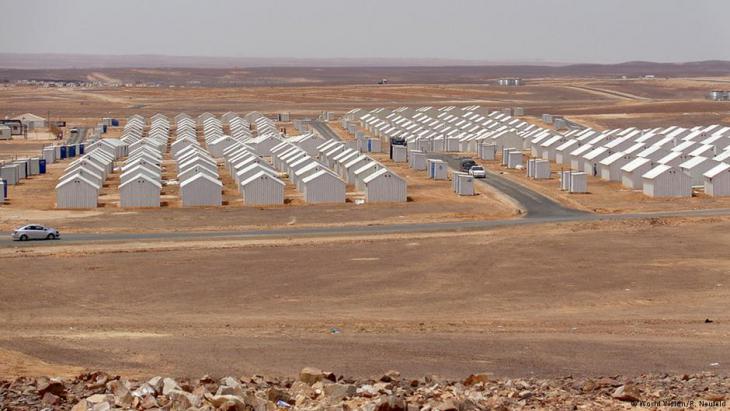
(595, 298)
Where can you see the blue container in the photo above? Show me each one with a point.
(370, 146)
(42, 166)
(103, 128)
(115, 122)
(5, 188)
(81, 148)
(63, 152)
(72, 151)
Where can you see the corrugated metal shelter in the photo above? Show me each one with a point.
(514, 159)
(578, 183)
(417, 160)
(463, 184)
(696, 167)
(384, 186)
(253, 168)
(262, 189)
(538, 169)
(631, 173)
(323, 187)
(487, 151)
(10, 173)
(201, 189)
(77, 191)
(399, 154)
(667, 181)
(717, 180)
(49, 154)
(437, 169)
(610, 167)
(142, 191)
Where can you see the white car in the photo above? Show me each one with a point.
(478, 172)
(35, 232)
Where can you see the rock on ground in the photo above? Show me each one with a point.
(314, 389)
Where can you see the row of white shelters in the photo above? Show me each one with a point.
(84, 177)
(312, 176)
(258, 182)
(197, 169)
(140, 184)
(377, 182)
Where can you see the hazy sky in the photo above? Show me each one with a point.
(499, 31)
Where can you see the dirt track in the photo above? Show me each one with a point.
(597, 299)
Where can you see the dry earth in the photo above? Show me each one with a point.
(580, 299)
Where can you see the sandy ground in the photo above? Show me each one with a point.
(681, 99)
(588, 298)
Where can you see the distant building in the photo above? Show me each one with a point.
(16, 127)
(509, 82)
(5, 132)
(720, 95)
(32, 121)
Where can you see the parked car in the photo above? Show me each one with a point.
(467, 164)
(478, 172)
(35, 232)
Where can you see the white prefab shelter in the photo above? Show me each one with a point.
(667, 181)
(538, 169)
(262, 189)
(514, 159)
(610, 167)
(578, 183)
(141, 191)
(253, 168)
(49, 154)
(592, 158)
(463, 184)
(217, 146)
(384, 186)
(576, 156)
(417, 160)
(696, 167)
(399, 154)
(373, 145)
(437, 169)
(562, 152)
(633, 170)
(10, 173)
(323, 187)
(487, 151)
(717, 181)
(76, 191)
(201, 190)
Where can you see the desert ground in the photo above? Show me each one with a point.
(584, 298)
(574, 299)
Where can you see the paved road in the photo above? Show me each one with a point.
(533, 204)
(351, 231)
(79, 138)
(324, 130)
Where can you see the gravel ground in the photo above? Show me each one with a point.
(315, 389)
